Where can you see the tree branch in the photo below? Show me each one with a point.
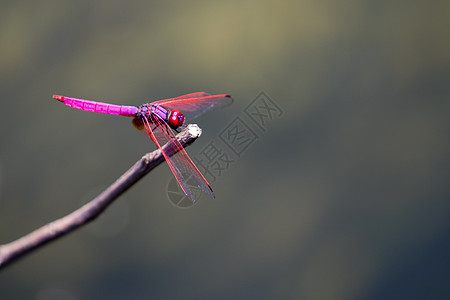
(88, 212)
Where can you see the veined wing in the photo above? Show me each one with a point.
(180, 163)
(195, 104)
(191, 95)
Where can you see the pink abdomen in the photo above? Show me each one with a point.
(98, 107)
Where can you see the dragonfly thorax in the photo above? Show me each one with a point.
(174, 118)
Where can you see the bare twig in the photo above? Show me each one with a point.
(88, 212)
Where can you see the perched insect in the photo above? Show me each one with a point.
(156, 119)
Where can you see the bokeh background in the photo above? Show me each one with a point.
(345, 195)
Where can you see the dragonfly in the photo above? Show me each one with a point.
(158, 119)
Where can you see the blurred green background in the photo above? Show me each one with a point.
(343, 196)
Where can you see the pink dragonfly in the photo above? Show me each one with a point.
(156, 118)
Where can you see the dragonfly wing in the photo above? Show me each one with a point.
(195, 104)
(179, 163)
(192, 95)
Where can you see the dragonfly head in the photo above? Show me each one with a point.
(175, 119)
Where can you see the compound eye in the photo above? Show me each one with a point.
(176, 118)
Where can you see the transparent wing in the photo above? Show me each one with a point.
(192, 95)
(195, 104)
(180, 163)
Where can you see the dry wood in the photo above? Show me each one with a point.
(91, 210)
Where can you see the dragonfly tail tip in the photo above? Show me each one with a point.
(58, 97)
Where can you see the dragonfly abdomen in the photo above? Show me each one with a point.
(98, 107)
